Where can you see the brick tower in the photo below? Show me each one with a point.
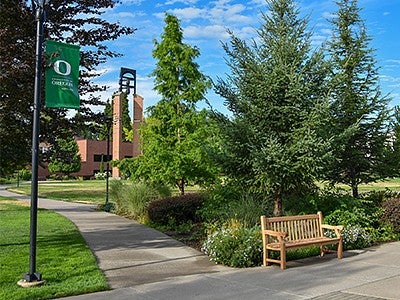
(137, 120)
(117, 133)
(118, 146)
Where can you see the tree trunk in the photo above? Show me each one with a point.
(278, 205)
(354, 188)
(181, 186)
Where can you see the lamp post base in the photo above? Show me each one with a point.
(31, 280)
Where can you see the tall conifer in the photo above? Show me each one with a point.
(359, 110)
(276, 95)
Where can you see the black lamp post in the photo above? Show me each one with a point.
(33, 277)
(108, 124)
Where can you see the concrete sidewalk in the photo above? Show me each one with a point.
(142, 263)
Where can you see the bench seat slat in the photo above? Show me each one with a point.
(304, 243)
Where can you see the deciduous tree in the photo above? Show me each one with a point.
(175, 134)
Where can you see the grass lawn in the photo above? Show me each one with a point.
(88, 191)
(94, 191)
(392, 183)
(82, 191)
(63, 258)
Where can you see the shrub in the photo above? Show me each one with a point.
(25, 174)
(355, 237)
(359, 227)
(326, 200)
(384, 233)
(132, 199)
(175, 210)
(356, 217)
(235, 246)
(223, 203)
(391, 213)
(217, 202)
(377, 198)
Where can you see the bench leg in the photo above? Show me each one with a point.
(322, 251)
(283, 258)
(340, 249)
(265, 257)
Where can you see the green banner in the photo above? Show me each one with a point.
(62, 74)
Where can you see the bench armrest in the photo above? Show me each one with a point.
(337, 228)
(331, 227)
(275, 233)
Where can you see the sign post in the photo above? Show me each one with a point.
(62, 78)
(33, 277)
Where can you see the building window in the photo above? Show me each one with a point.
(97, 158)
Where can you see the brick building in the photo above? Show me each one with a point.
(92, 151)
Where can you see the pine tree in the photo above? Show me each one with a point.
(65, 158)
(359, 111)
(175, 133)
(273, 142)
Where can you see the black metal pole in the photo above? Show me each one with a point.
(108, 163)
(33, 275)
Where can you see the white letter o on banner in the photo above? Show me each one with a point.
(67, 67)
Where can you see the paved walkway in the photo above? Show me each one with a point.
(142, 263)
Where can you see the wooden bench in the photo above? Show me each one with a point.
(293, 232)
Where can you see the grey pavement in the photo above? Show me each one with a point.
(142, 263)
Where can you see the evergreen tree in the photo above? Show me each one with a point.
(359, 111)
(175, 133)
(65, 158)
(107, 117)
(390, 166)
(273, 143)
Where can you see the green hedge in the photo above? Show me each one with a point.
(175, 210)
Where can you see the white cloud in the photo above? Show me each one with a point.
(171, 2)
(160, 15)
(125, 14)
(211, 31)
(392, 81)
(317, 40)
(245, 33)
(224, 13)
(395, 61)
(189, 13)
(130, 2)
(258, 2)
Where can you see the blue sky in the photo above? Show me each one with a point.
(205, 23)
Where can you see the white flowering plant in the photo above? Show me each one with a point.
(235, 246)
(354, 237)
(100, 175)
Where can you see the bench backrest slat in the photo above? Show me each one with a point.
(296, 227)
